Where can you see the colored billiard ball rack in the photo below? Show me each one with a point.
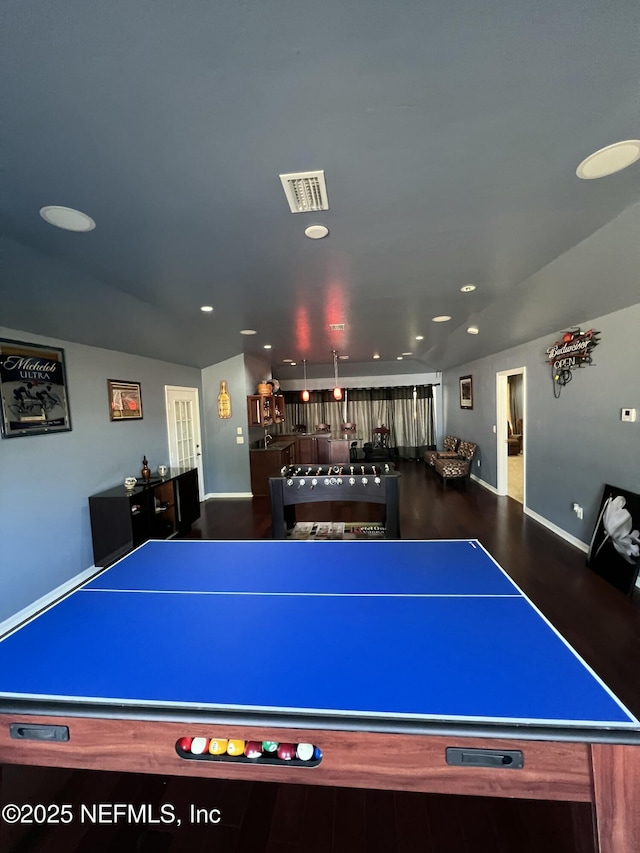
(239, 751)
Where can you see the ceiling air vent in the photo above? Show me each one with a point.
(305, 191)
(336, 327)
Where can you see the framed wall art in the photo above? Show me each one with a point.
(614, 551)
(466, 392)
(33, 389)
(125, 400)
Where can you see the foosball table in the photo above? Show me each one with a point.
(365, 482)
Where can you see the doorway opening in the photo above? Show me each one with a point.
(511, 433)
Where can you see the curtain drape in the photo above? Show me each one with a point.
(412, 419)
(406, 410)
(321, 409)
(514, 390)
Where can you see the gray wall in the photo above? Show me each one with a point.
(226, 463)
(574, 444)
(45, 480)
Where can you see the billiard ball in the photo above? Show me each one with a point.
(199, 745)
(304, 751)
(253, 749)
(286, 751)
(184, 744)
(235, 747)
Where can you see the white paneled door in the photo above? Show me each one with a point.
(183, 426)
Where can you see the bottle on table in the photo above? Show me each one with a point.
(146, 471)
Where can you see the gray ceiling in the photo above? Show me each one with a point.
(449, 132)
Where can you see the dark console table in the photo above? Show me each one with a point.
(122, 519)
(310, 484)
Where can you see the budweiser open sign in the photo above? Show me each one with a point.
(574, 349)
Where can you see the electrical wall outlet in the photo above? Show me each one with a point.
(239, 439)
(628, 415)
(578, 510)
(478, 463)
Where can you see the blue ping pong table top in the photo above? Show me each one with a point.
(422, 631)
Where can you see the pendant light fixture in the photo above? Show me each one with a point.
(305, 393)
(337, 390)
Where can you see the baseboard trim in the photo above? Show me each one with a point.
(484, 484)
(214, 495)
(44, 601)
(573, 540)
(578, 543)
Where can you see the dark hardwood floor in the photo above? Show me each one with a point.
(597, 620)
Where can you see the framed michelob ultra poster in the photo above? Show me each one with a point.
(33, 389)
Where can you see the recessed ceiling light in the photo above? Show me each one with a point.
(398, 358)
(376, 355)
(407, 353)
(343, 357)
(206, 308)
(248, 332)
(67, 218)
(468, 288)
(293, 363)
(442, 318)
(419, 337)
(316, 232)
(473, 330)
(287, 361)
(267, 346)
(608, 160)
